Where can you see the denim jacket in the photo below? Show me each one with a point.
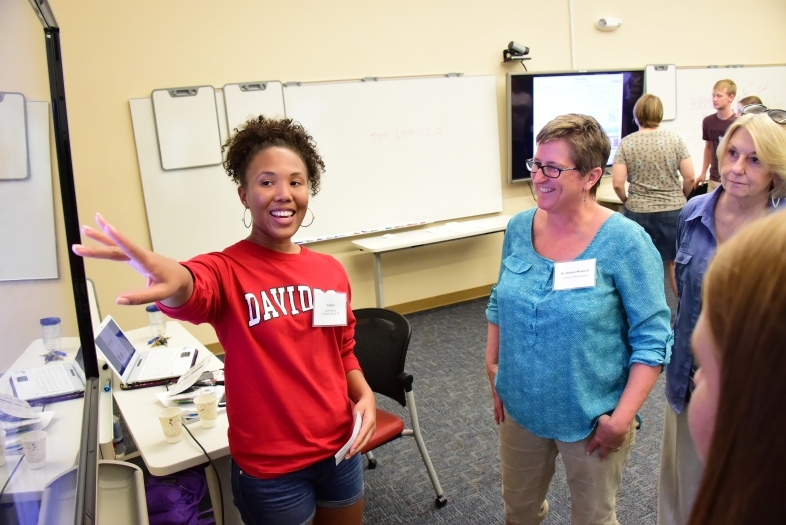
(696, 245)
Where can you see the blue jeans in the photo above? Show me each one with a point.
(292, 499)
(662, 229)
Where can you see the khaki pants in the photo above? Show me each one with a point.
(711, 185)
(680, 470)
(528, 463)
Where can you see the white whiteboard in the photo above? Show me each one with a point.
(189, 211)
(251, 99)
(13, 137)
(400, 152)
(694, 97)
(27, 217)
(438, 161)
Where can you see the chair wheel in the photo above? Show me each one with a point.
(441, 501)
(372, 464)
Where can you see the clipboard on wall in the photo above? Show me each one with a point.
(251, 99)
(187, 127)
(661, 81)
(14, 164)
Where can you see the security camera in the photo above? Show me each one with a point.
(608, 24)
(517, 49)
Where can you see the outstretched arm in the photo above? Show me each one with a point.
(167, 280)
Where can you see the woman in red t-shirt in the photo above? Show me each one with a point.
(294, 390)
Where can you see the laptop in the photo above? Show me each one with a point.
(141, 368)
(56, 381)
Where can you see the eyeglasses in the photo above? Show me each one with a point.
(551, 172)
(777, 115)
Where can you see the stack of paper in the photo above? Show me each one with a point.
(16, 418)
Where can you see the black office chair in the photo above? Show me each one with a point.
(381, 342)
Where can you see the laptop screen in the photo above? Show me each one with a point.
(115, 346)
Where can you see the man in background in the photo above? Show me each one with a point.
(750, 99)
(713, 128)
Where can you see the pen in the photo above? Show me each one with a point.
(106, 386)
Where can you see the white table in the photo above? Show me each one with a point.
(63, 433)
(436, 234)
(140, 409)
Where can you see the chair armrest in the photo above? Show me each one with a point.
(406, 381)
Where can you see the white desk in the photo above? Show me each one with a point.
(140, 408)
(63, 433)
(436, 234)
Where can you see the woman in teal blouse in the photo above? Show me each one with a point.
(578, 332)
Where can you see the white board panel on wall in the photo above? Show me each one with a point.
(189, 211)
(661, 81)
(400, 152)
(27, 218)
(13, 137)
(694, 97)
(186, 122)
(251, 99)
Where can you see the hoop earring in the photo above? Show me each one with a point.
(775, 202)
(312, 219)
(244, 219)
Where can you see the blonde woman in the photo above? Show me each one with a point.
(753, 174)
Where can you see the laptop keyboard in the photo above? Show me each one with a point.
(52, 380)
(158, 364)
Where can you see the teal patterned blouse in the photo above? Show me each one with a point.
(565, 356)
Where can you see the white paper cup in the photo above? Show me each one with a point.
(172, 424)
(2, 448)
(207, 408)
(34, 444)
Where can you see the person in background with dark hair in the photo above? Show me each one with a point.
(578, 331)
(753, 171)
(746, 101)
(652, 160)
(294, 389)
(737, 415)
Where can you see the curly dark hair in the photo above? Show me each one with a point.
(261, 133)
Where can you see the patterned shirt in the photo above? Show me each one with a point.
(565, 356)
(653, 160)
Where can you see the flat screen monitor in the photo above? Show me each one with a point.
(533, 99)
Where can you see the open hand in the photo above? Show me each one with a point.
(167, 280)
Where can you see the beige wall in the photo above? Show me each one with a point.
(115, 51)
(23, 69)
